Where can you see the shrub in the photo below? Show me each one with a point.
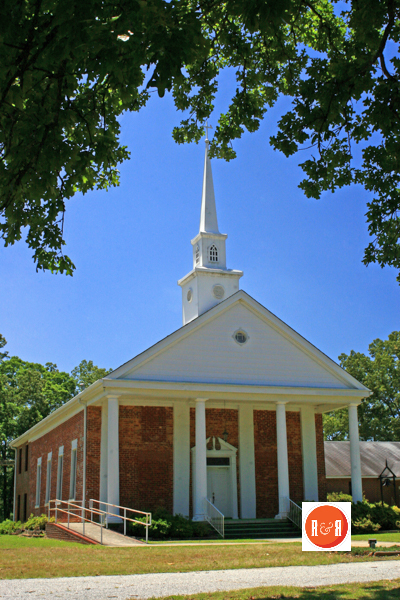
(339, 497)
(166, 526)
(7, 527)
(37, 523)
(181, 528)
(201, 529)
(367, 517)
(364, 526)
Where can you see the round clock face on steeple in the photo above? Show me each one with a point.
(189, 295)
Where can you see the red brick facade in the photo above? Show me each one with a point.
(93, 447)
(146, 457)
(63, 435)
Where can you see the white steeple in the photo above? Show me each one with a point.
(208, 214)
(210, 281)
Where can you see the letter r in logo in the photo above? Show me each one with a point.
(338, 528)
(314, 528)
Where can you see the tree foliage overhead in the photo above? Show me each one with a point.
(68, 70)
(378, 415)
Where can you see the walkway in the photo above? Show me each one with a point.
(110, 538)
(168, 584)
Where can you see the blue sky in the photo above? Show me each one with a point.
(301, 258)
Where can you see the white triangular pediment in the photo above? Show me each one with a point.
(205, 351)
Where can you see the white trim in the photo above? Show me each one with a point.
(48, 478)
(38, 481)
(309, 453)
(73, 471)
(104, 453)
(60, 472)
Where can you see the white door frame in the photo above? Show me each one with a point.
(226, 451)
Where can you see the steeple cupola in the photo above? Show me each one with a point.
(210, 281)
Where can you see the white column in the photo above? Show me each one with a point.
(181, 458)
(247, 471)
(309, 452)
(283, 463)
(113, 455)
(356, 482)
(104, 452)
(201, 460)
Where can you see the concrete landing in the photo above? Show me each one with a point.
(110, 538)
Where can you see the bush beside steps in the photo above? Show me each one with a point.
(367, 517)
(34, 526)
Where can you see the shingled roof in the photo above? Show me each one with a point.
(373, 458)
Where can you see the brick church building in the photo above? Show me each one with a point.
(228, 407)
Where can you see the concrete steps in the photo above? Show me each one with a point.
(260, 529)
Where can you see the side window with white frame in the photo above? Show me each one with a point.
(38, 481)
(48, 477)
(74, 457)
(60, 466)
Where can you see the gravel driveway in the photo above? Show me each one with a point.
(165, 584)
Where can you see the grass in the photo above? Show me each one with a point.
(48, 558)
(379, 590)
(381, 537)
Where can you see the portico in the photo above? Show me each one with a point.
(209, 463)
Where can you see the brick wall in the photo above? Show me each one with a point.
(295, 456)
(146, 457)
(50, 442)
(93, 447)
(319, 431)
(266, 463)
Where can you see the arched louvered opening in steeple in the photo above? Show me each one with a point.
(213, 254)
(197, 255)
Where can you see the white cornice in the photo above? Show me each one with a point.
(208, 235)
(209, 271)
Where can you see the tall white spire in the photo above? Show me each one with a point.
(209, 282)
(208, 214)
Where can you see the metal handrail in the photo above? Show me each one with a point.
(295, 513)
(79, 508)
(147, 524)
(214, 517)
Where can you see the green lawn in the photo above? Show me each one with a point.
(8, 542)
(381, 537)
(379, 590)
(22, 558)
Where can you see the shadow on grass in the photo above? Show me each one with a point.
(380, 590)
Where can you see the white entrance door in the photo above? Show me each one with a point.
(218, 489)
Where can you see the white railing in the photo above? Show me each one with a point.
(74, 510)
(109, 513)
(294, 513)
(214, 517)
